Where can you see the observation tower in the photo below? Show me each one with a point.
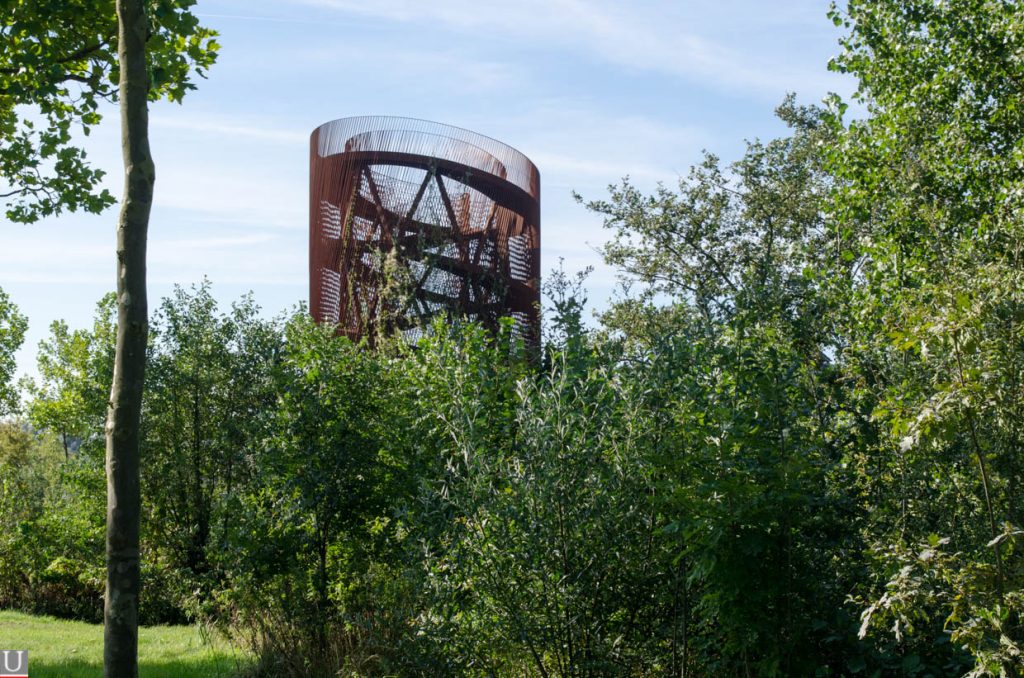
(410, 219)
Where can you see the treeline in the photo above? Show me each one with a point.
(791, 446)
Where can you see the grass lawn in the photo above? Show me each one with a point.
(68, 649)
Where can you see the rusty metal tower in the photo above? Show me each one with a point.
(410, 219)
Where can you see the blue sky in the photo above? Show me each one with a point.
(590, 90)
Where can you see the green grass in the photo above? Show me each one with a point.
(68, 649)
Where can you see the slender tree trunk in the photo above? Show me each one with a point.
(121, 602)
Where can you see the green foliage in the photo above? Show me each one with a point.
(75, 371)
(929, 205)
(208, 385)
(12, 334)
(58, 556)
(58, 63)
(49, 562)
(749, 234)
(734, 324)
(316, 532)
(551, 554)
(209, 380)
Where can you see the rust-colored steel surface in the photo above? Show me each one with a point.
(410, 219)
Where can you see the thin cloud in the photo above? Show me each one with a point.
(221, 127)
(259, 198)
(658, 40)
(213, 243)
(437, 68)
(579, 147)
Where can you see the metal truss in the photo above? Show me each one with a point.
(410, 219)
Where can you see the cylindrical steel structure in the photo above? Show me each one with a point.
(410, 219)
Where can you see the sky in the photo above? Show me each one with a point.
(590, 90)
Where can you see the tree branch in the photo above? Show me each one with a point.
(74, 56)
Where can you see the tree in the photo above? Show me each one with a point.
(552, 527)
(930, 205)
(324, 478)
(733, 320)
(58, 65)
(12, 333)
(69, 398)
(60, 60)
(208, 387)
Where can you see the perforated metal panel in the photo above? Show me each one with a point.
(410, 219)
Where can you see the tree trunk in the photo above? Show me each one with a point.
(121, 602)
